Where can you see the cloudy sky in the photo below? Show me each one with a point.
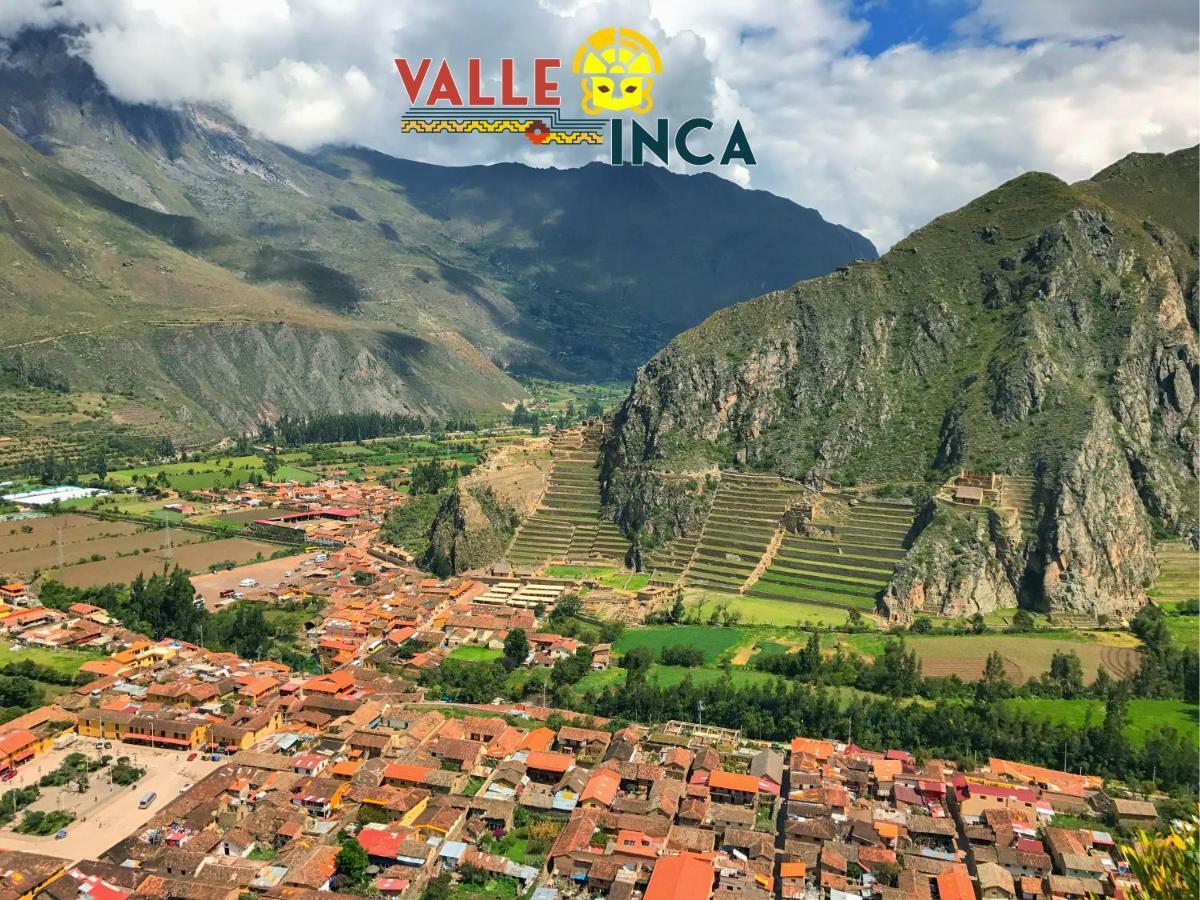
(879, 113)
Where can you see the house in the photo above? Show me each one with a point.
(584, 741)
(547, 768)
(729, 787)
(995, 883)
(1134, 813)
(310, 764)
(768, 766)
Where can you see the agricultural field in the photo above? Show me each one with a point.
(1144, 715)
(210, 474)
(67, 541)
(712, 641)
(195, 556)
(1026, 655)
(1178, 573)
(767, 611)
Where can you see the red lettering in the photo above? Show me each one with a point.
(543, 88)
(444, 88)
(508, 85)
(412, 83)
(475, 85)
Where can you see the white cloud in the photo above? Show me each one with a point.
(881, 144)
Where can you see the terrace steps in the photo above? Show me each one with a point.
(851, 567)
(566, 524)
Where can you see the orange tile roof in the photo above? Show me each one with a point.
(955, 885)
(549, 762)
(732, 782)
(683, 877)
(404, 772)
(887, 829)
(793, 870)
(820, 749)
(538, 739)
(601, 787)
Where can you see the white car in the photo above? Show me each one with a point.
(247, 582)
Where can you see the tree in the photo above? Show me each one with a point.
(637, 661)
(994, 684)
(921, 625)
(1065, 678)
(978, 625)
(810, 656)
(351, 862)
(1165, 865)
(1022, 621)
(594, 409)
(516, 646)
(271, 465)
(440, 888)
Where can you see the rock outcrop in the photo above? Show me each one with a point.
(1042, 331)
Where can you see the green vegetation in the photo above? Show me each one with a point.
(475, 654)
(765, 611)
(711, 642)
(1145, 716)
(44, 823)
(209, 474)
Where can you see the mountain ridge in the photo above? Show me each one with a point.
(1015, 334)
(535, 270)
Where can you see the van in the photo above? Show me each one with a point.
(149, 798)
(247, 582)
(227, 593)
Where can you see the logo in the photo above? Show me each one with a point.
(616, 65)
(617, 68)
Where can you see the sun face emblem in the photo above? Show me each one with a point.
(617, 65)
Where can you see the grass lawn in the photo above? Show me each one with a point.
(1144, 715)
(579, 572)
(66, 662)
(669, 676)
(764, 611)
(710, 640)
(599, 681)
(475, 654)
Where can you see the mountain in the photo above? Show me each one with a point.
(489, 270)
(1045, 331)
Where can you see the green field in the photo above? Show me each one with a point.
(1184, 630)
(766, 611)
(1144, 715)
(65, 662)
(711, 640)
(475, 654)
(210, 474)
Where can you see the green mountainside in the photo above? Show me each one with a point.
(1045, 331)
(432, 284)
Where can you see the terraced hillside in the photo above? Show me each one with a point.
(566, 526)
(743, 525)
(846, 561)
(1016, 492)
(1178, 572)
